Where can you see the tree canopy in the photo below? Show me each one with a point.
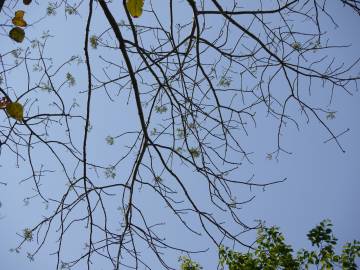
(174, 90)
(271, 253)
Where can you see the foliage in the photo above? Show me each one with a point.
(135, 7)
(271, 252)
(18, 20)
(15, 110)
(17, 34)
(28, 235)
(181, 89)
(188, 264)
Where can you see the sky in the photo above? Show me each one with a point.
(322, 181)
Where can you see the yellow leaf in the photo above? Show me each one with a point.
(135, 7)
(17, 34)
(15, 110)
(18, 20)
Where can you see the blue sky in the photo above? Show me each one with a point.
(322, 182)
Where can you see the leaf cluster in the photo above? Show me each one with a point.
(272, 253)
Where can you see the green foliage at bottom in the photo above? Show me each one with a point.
(272, 253)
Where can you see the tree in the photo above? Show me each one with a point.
(175, 88)
(271, 252)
